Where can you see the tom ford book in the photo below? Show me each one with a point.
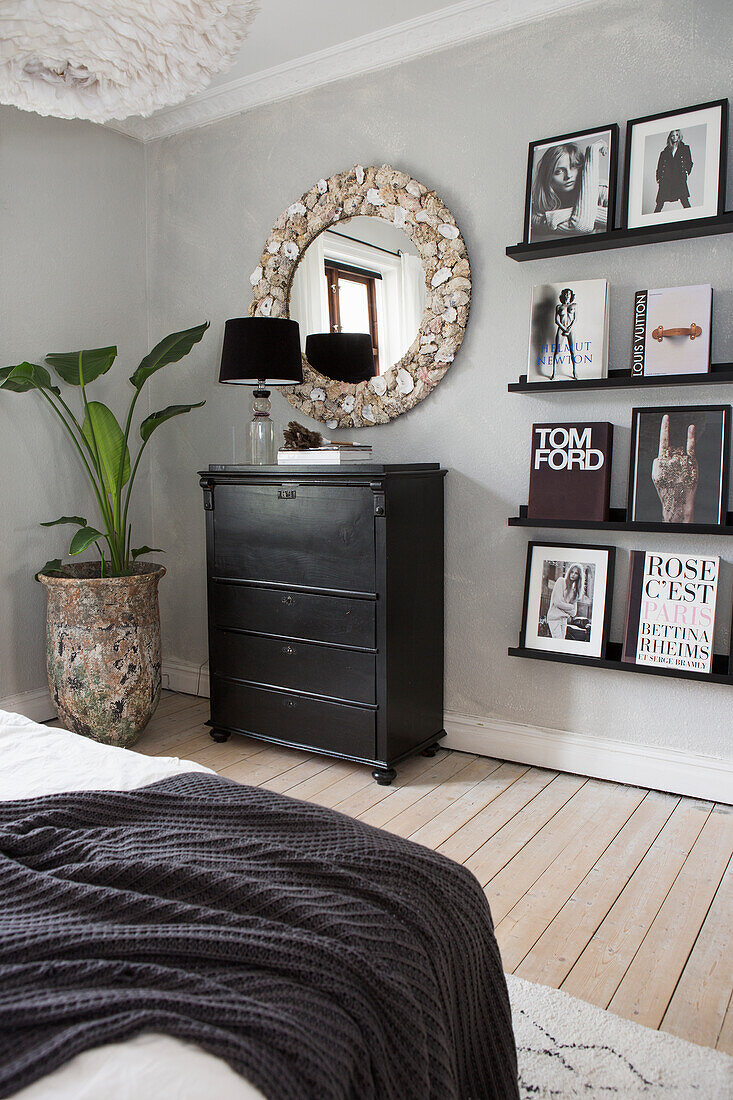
(671, 330)
(570, 471)
(670, 614)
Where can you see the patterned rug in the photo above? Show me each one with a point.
(568, 1048)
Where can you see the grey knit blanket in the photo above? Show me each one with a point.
(319, 957)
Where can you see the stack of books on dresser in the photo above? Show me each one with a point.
(330, 454)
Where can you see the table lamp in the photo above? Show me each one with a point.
(258, 351)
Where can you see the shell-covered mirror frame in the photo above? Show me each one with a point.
(410, 206)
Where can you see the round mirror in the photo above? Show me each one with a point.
(373, 267)
(358, 296)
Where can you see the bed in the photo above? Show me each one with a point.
(164, 931)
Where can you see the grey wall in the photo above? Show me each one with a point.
(459, 121)
(72, 275)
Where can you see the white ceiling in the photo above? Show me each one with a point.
(285, 30)
(296, 45)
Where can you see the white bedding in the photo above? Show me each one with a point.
(36, 760)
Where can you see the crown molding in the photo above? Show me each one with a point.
(427, 34)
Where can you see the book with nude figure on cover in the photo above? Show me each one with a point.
(568, 334)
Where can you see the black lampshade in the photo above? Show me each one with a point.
(261, 348)
(347, 356)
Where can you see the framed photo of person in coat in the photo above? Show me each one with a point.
(675, 165)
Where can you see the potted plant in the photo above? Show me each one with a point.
(102, 618)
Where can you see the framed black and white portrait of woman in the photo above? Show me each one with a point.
(675, 165)
(567, 598)
(571, 185)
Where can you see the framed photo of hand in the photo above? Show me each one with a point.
(680, 459)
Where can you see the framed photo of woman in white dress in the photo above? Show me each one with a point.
(571, 185)
(567, 598)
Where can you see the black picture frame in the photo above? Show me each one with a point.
(637, 413)
(612, 129)
(634, 123)
(610, 552)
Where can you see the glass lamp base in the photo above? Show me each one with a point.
(261, 431)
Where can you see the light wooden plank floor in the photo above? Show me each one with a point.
(618, 895)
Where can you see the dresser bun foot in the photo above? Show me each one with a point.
(384, 776)
(219, 735)
(431, 750)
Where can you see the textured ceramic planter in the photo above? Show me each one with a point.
(103, 650)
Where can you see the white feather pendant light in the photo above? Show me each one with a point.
(105, 59)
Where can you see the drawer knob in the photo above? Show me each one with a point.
(287, 599)
(288, 649)
(289, 702)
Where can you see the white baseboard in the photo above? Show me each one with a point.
(682, 773)
(183, 676)
(605, 758)
(186, 677)
(35, 705)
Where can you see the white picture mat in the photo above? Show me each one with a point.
(678, 307)
(583, 556)
(710, 117)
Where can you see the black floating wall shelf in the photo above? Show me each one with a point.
(622, 238)
(622, 379)
(720, 674)
(617, 522)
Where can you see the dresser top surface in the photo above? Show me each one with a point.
(347, 470)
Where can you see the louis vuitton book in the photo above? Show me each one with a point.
(671, 331)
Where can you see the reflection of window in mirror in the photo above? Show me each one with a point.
(380, 287)
(352, 302)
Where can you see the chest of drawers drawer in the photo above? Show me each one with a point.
(302, 535)
(314, 723)
(294, 614)
(279, 662)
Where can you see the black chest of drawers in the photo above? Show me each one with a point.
(325, 597)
